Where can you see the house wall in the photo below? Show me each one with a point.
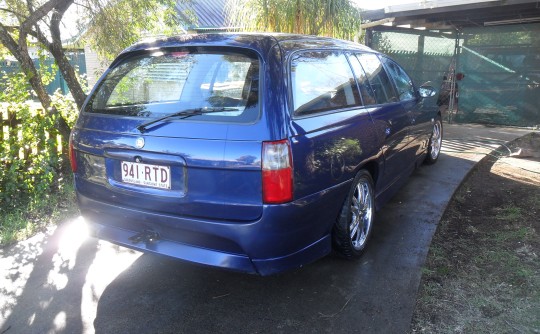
(95, 66)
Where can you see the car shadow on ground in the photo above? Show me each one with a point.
(43, 290)
(163, 295)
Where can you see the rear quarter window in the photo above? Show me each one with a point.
(379, 81)
(404, 84)
(368, 96)
(322, 81)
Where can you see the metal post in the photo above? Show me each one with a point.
(420, 58)
(368, 38)
(452, 78)
(453, 91)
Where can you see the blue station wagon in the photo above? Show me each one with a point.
(253, 152)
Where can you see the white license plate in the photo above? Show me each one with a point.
(146, 175)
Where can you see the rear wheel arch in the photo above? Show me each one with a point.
(353, 227)
(372, 167)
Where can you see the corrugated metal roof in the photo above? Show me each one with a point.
(429, 4)
(452, 14)
(209, 13)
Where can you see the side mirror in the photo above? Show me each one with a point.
(426, 91)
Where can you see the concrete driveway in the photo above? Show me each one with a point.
(64, 282)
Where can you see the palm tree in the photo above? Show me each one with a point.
(333, 18)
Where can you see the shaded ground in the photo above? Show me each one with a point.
(482, 274)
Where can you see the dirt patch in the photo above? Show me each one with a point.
(482, 274)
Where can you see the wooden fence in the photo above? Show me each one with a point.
(12, 132)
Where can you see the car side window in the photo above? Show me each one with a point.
(378, 78)
(403, 82)
(322, 81)
(368, 97)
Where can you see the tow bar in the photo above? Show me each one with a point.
(144, 236)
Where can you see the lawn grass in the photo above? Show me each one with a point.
(39, 214)
(482, 274)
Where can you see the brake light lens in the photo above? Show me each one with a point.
(72, 160)
(277, 174)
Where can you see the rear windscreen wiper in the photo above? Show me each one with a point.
(184, 114)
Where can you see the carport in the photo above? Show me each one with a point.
(485, 56)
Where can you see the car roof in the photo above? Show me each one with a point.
(260, 42)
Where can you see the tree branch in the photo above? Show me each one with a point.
(21, 54)
(56, 18)
(30, 5)
(8, 41)
(11, 28)
(56, 49)
(42, 11)
(82, 5)
(29, 70)
(37, 34)
(7, 10)
(40, 37)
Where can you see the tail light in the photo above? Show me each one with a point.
(277, 175)
(72, 159)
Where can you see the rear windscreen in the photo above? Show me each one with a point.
(159, 83)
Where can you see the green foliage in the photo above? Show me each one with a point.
(25, 221)
(30, 151)
(382, 42)
(33, 136)
(115, 25)
(501, 37)
(47, 73)
(340, 19)
(124, 90)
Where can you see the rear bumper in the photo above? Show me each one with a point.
(285, 237)
(215, 258)
(173, 249)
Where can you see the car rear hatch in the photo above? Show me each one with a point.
(175, 132)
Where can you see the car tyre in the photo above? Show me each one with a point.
(354, 225)
(435, 142)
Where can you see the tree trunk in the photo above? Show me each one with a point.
(68, 73)
(298, 18)
(20, 52)
(56, 49)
